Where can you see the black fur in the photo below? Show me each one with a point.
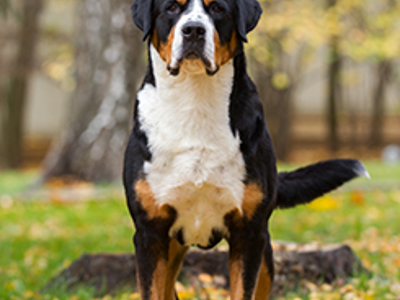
(306, 184)
(242, 14)
(248, 15)
(247, 120)
(248, 237)
(142, 14)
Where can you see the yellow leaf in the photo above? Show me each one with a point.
(357, 198)
(185, 295)
(205, 278)
(134, 296)
(324, 203)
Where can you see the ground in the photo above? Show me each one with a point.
(44, 231)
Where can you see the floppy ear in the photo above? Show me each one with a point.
(248, 14)
(142, 16)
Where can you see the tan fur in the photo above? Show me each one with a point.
(236, 279)
(251, 199)
(158, 284)
(226, 52)
(181, 2)
(264, 283)
(208, 2)
(165, 274)
(164, 49)
(176, 255)
(145, 197)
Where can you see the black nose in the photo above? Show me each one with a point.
(193, 31)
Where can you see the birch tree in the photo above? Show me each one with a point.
(108, 67)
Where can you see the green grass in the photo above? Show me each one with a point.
(13, 182)
(39, 238)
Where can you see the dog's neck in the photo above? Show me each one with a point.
(192, 85)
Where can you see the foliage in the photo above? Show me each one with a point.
(39, 238)
(367, 30)
(5, 7)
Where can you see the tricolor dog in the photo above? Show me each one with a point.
(200, 165)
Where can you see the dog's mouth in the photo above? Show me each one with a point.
(193, 57)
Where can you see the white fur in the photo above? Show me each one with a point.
(195, 13)
(196, 166)
(361, 171)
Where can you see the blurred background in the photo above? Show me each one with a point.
(327, 71)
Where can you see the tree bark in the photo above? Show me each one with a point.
(334, 90)
(294, 264)
(12, 102)
(277, 101)
(109, 67)
(378, 110)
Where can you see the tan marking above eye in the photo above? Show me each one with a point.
(208, 2)
(181, 2)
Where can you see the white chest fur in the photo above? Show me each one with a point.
(196, 165)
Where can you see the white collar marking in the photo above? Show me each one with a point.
(196, 161)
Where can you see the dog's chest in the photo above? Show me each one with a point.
(196, 164)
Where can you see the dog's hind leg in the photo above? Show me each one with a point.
(158, 264)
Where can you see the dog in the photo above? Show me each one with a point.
(200, 164)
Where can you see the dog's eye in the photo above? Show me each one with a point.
(216, 8)
(173, 8)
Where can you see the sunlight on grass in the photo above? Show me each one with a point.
(12, 182)
(40, 238)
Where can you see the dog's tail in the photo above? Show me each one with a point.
(306, 184)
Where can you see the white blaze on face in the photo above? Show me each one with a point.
(195, 13)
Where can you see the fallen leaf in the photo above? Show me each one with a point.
(324, 203)
(205, 278)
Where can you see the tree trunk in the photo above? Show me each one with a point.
(378, 110)
(334, 90)
(12, 102)
(277, 100)
(283, 133)
(109, 67)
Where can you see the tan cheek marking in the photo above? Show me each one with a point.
(146, 198)
(251, 199)
(164, 49)
(224, 53)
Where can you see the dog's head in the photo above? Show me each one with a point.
(196, 34)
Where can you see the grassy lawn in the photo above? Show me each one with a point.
(39, 238)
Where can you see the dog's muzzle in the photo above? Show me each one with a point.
(193, 47)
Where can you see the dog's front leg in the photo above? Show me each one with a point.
(266, 275)
(158, 261)
(245, 259)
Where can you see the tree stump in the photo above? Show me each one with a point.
(294, 264)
